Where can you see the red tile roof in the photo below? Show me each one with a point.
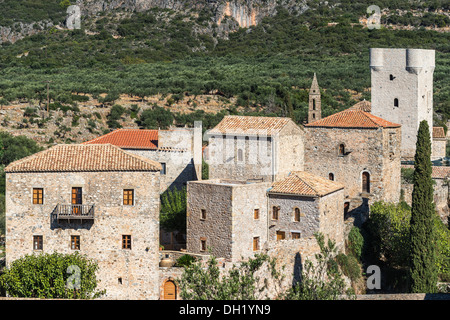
(305, 184)
(438, 133)
(129, 138)
(82, 158)
(250, 125)
(353, 119)
(437, 172)
(362, 105)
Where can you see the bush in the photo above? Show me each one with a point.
(185, 260)
(349, 266)
(355, 242)
(49, 276)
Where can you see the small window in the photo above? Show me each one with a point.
(295, 235)
(75, 242)
(281, 235)
(275, 212)
(37, 243)
(163, 168)
(38, 196)
(391, 77)
(313, 115)
(396, 102)
(126, 241)
(203, 214)
(341, 149)
(296, 214)
(256, 214)
(255, 243)
(240, 155)
(202, 244)
(128, 197)
(314, 104)
(331, 176)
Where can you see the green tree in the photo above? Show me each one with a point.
(49, 276)
(423, 273)
(173, 210)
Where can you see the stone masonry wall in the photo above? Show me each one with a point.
(101, 239)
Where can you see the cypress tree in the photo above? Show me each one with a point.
(422, 268)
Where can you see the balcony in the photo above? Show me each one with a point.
(73, 212)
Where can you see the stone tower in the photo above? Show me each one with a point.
(315, 109)
(402, 90)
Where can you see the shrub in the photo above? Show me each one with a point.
(355, 242)
(49, 276)
(185, 260)
(349, 266)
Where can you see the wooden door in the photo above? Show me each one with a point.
(170, 290)
(76, 200)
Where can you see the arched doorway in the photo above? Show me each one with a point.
(366, 182)
(170, 290)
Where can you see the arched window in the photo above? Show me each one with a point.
(366, 182)
(331, 176)
(314, 104)
(296, 214)
(240, 155)
(395, 102)
(341, 149)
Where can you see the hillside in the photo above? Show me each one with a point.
(198, 60)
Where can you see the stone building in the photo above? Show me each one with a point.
(89, 199)
(255, 148)
(179, 151)
(402, 90)
(227, 218)
(314, 103)
(302, 204)
(359, 150)
(439, 144)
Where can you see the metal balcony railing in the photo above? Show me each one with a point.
(74, 211)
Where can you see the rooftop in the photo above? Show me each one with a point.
(82, 158)
(250, 125)
(305, 184)
(353, 118)
(438, 133)
(129, 138)
(437, 172)
(364, 105)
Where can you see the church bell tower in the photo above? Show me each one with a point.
(315, 109)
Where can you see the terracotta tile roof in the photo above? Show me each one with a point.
(82, 157)
(438, 133)
(362, 105)
(250, 125)
(353, 119)
(437, 172)
(305, 184)
(129, 138)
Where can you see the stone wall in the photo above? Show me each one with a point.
(438, 148)
(100, 239)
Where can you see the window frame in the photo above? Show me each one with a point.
(163, 171)
(39, 244)
(126, 242)
(126, 197)
(275, 213)
(256, 214)
(295, 219)
(258, 246)
(202, 214)
(39, 200)
(75, 242)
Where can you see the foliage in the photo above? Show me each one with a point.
(241, 282)
(349, 266)
(389, 225)
(355, 242)
(46, 276)
(407, 175)
(173, 210)
(185, 260)
(156, 118)
(14, 148)
(114, 115)
(321, 280)
(205, 170)
(423, 273)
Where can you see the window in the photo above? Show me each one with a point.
(37, 243)
(77, 199)
(126, 241)
(341, 149)
(296, 214)
(391, 77)
(313, 115)
(256, 214)
(75, 242)
(314, 104)
(163, 168)
(395, 102)
(38, 196)
(128, 197)
(366, 182)
(295, 235)
(346, 208)
(202, 244)
(275, 212)
(281, 235)
(331, 176)
(255, 243)
(240, 155)
(203, 214)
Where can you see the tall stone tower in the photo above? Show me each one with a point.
(402, 91)
(315, 108)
